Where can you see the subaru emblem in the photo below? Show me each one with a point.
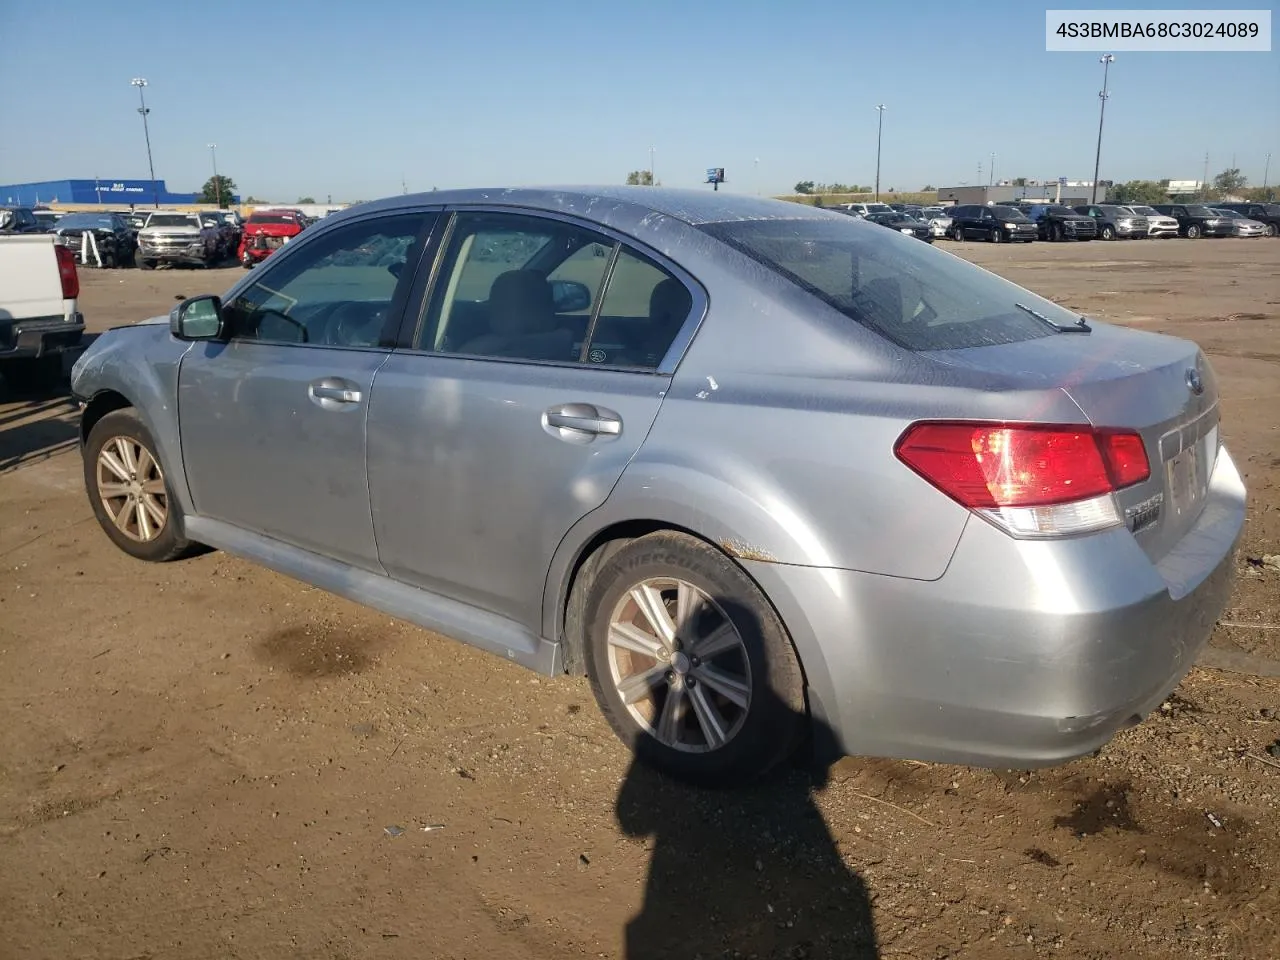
(1194, 383)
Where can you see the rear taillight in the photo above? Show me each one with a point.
(67, 272)
(1030, 479)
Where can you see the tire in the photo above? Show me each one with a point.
(1193, 232)
(1108, 232)
(758, 721)
(1056, 232)
(957, 234)
(125, 436)
(146, 264)
(1271, 230)
(37, 375)
(997, 235)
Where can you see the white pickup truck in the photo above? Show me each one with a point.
(39, 319)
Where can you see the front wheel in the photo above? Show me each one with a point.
(1193, 232)
(1108, 232)
(128, 491)
(690, 664)
(1271, 230)
(957, 234)
(996, 235)
(1055, 232)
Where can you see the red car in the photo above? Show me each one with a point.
(267, 231)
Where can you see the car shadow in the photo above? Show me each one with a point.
(38, 425)
(745, 872)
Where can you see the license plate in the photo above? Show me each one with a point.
(1187, 475)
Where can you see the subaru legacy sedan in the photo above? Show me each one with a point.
(767, 475)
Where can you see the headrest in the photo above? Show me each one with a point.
(520, 303)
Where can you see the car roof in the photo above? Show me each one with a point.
(614, 205)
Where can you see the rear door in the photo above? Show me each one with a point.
(536, 370)
(273, 421)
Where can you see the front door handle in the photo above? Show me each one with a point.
(581, 422)
(333, 392)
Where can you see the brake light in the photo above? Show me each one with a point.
(67, 272)
(1031, 479)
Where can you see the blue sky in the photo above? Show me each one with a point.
(341, 98)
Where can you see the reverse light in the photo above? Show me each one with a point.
(67, 272)
(1033, 480)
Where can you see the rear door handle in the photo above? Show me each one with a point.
(581, 422)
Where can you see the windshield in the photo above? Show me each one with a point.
(273, 218)
(910, 293)
(84, 221)
(1008, 213)
(1145, 211)
(1061, 211)
(1199, 210)
(170, 220)
(878, 208)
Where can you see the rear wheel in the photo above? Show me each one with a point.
(1271, 230)
(957, 233)
(1193, 232)
(690, 664)
(128, 490)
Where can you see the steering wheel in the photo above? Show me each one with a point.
(355, 324)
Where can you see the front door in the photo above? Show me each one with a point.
(273, 421)
(530, 384)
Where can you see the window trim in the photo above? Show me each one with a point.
(425, 289)
(400, 298)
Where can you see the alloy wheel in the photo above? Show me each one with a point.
(131, 487)
(679, 665)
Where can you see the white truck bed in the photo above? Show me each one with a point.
(37, 323)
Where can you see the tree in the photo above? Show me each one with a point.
(927, 188)
(640, 178)
(306, 199)
(805, 186)
(1230, 181)
(1139, 191)
(218, 190)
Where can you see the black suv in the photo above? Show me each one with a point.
(19, 220)
(1264, 213)
(996, 223)
(1056, 222)
(1115, 221)
(1195, 220)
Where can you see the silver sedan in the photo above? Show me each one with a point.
(765, 473)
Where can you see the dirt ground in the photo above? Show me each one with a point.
(205, 759)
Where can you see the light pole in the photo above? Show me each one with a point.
(1106, 60)
(652, 182)
(217, 184)
(756, 176)
(1266, 172)
(141, 82)
(991, 174)
(880, 108)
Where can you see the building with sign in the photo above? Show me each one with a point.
(115, 193)
(1068, 192)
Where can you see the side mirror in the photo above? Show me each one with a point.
(570, 296)
(198, 318)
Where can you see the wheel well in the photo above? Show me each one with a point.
(102, 403)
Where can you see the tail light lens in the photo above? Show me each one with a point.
(67, 272)
(1031, 479)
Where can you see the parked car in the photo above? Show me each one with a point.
(903, 223)
(40, 319)
(1195, 220)
(1115, 222)
(995, 223)
(1159, 226)
(265, 232)
(862, 209)
(115, 242)
(1056, 222)
(48, 219)
(179, 238)
(1028, 564)
(1241, 226)
(939, 221)
(19, 220)
(228, 233)
(1267, 214)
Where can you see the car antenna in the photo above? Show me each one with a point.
(1080, 326)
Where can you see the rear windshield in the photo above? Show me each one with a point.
(88, 220)
(274, 218)
(905, 290)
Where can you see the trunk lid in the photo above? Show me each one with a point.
(1120, 377)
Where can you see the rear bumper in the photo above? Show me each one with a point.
(24, 339)
(1024, 653)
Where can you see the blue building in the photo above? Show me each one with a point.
(116, 193)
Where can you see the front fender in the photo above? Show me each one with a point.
(140, 363)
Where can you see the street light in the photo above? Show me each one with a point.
(880, 108)
(1106, 62)
(140, 82)
(756, 171)
(652, 182)
(217, 184)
